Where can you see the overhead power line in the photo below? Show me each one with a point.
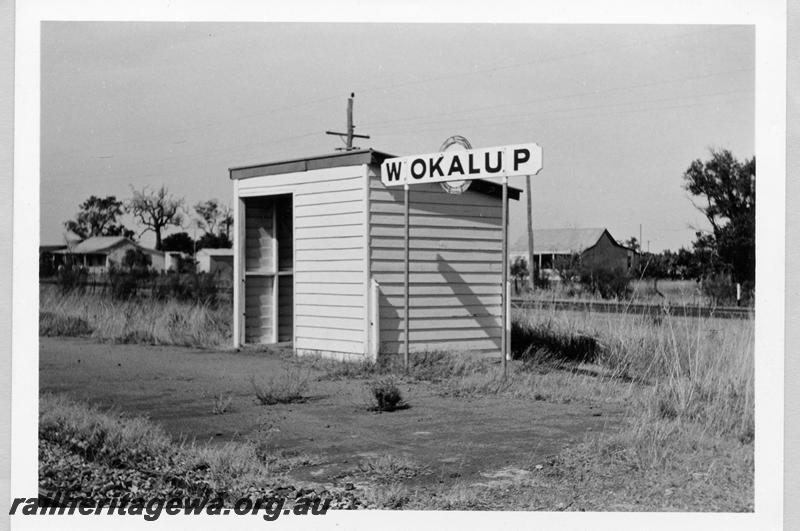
(254, 115)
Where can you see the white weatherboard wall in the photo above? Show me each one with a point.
(330, 263)
(455, 263)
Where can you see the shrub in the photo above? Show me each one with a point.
(719, 288)
(123, 284)
(71, 277)
(47, 267)
(609, 283)
(386, 396)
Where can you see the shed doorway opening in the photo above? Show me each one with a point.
(269, 269)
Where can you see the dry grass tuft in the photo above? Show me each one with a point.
(389, 468)
(285, 387)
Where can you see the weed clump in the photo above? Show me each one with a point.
(221, 404)
(386, 396)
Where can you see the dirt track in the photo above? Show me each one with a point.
(469, 439)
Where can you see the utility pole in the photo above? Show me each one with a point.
(350, 134)
(531, 264)
(640, 236)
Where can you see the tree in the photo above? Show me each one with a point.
(156, 210)
(214, 241)
(98, 217)
(632, 243)
(214, 218)
(179, 241)
(728, 190)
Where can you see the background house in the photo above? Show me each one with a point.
(553, 247)
(215, 261)
(97, 253)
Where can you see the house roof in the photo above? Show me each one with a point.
(101, 245)
(560, 241)
(345, 158)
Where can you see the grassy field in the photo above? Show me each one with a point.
(139, 320)
(685, 387)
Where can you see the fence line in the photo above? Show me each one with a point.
(722, 312)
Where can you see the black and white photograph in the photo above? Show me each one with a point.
(350, 270)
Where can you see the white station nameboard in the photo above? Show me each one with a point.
(502, 161)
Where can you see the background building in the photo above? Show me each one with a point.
(215, 261)
(553, 247)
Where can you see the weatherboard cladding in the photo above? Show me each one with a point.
(348, 227)
(455, 256)
(329, 265)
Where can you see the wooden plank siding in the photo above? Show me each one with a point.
(258, 309)
(455, 267)
(330, 277)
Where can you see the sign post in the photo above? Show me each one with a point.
(447, 166)
(406, 310)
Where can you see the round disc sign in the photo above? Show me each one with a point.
(455, 143)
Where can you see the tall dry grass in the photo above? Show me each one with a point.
(699, 370)
(138, 320)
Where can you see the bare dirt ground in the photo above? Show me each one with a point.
(472, 441)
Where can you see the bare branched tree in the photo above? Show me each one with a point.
(156, 210)
(216, 219)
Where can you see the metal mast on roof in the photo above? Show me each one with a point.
(350, 134)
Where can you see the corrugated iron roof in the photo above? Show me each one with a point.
(98, 244)
(559, 241)
(102, 244)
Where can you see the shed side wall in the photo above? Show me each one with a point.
(455, 263)
(329, 268)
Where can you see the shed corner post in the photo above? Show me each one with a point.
(238, 268)
(504, 289)
(372, 296)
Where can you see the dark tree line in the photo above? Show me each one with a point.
(155, 211)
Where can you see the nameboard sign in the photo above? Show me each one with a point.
(502, 161)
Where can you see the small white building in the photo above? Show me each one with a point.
(318, 259)
(215, 261)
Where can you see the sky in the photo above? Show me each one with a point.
(619, 110)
